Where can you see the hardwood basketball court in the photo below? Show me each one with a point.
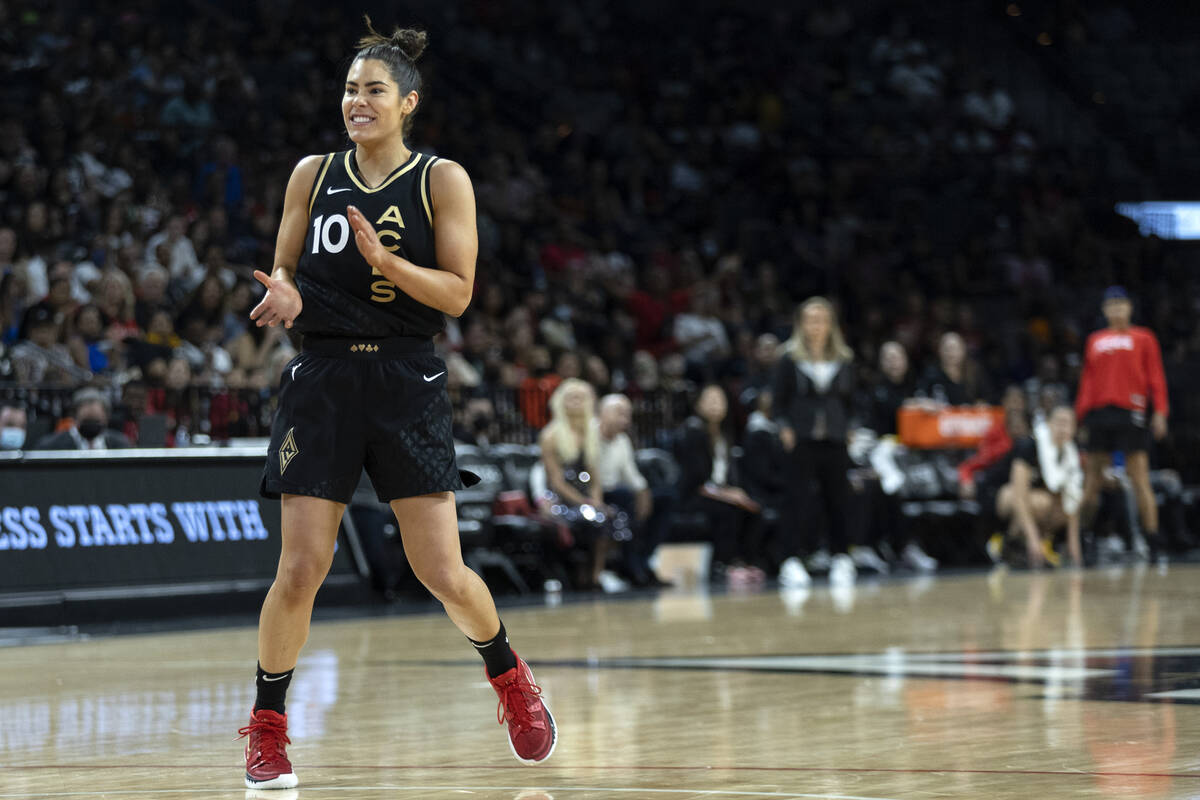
(992, 686)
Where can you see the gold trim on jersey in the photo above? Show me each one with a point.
(425, 188)
(413, 161)
(312, 198)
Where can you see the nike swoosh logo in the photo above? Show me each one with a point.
(294, 371)
(429, 378)
(281, 677)
(332, 190)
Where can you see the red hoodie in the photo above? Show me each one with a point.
(995, 446)
(1121, 368)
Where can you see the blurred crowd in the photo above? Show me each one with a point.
(649, 213)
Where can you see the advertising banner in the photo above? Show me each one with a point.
(946, 428)
(135, 520)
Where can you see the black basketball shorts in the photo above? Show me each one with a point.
(1111, 428)
(379, 404)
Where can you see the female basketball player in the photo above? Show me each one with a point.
(375, 245)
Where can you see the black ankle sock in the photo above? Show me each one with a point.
(272, 689)
(498, 657)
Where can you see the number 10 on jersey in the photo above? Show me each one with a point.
(324, 233)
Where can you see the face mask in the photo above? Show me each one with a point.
(90, 428)
(12, 438)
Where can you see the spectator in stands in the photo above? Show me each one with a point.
(701, 335)
(1122, 373)
(89, 428)
(114, 298)
(761, 372)
(710, 483)
(765, 467)
(88, 345)
(13, 426)
(12, 306)
(883, 401)
(477, 424)
(41, 359)
(625, 487)
(888, 394)
(995, 444)
(151, 294)
(955, 380)
(1062, 475)
(251, 353)
(813, 399)
(181, 263)
(1000, 477)
(570, 450)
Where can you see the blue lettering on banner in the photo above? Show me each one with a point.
(64, 534)
(191, 517)
(124, 524)
(252, 524)
(33, 525)
(163, 532)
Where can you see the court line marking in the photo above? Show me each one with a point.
(386, 787)
(635, 768)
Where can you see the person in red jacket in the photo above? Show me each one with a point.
(1122, 381)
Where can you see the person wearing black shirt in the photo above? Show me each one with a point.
(813, 398)
(955, 379)
(377, 243)
(709, 483)
(888, 394)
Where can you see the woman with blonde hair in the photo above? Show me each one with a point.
(570, 444)
(813, 399)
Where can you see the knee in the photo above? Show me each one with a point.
(446, 582)
(301, 574)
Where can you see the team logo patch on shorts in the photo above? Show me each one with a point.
(287, 450)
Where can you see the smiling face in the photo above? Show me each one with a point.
(372, 107)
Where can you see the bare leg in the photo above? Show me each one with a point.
(1093, 480)
(429, 529)
(1137, 464)
(310, 527)
(1014, 504)
(1073, 547)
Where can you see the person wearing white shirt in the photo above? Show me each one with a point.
(1062, 474)
(624, 485)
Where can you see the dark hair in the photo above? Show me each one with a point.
(399, 52)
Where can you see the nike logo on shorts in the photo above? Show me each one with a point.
(332, 190)
(429, 378)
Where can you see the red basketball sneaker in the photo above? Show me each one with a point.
(531, 731)
(267, 765)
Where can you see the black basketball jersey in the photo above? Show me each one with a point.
(343, 296)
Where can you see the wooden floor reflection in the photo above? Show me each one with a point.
(980, 686)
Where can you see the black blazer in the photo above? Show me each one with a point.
(800, 406)
(693, 451)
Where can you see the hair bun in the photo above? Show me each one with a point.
(411, 42)
(408, 41)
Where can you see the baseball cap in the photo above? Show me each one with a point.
(1115, 293)
(39, 315)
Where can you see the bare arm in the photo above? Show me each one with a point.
(282, 303)
(1020, 478)
(447, 288)
(595, 488)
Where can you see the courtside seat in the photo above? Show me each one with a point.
(476, 526)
